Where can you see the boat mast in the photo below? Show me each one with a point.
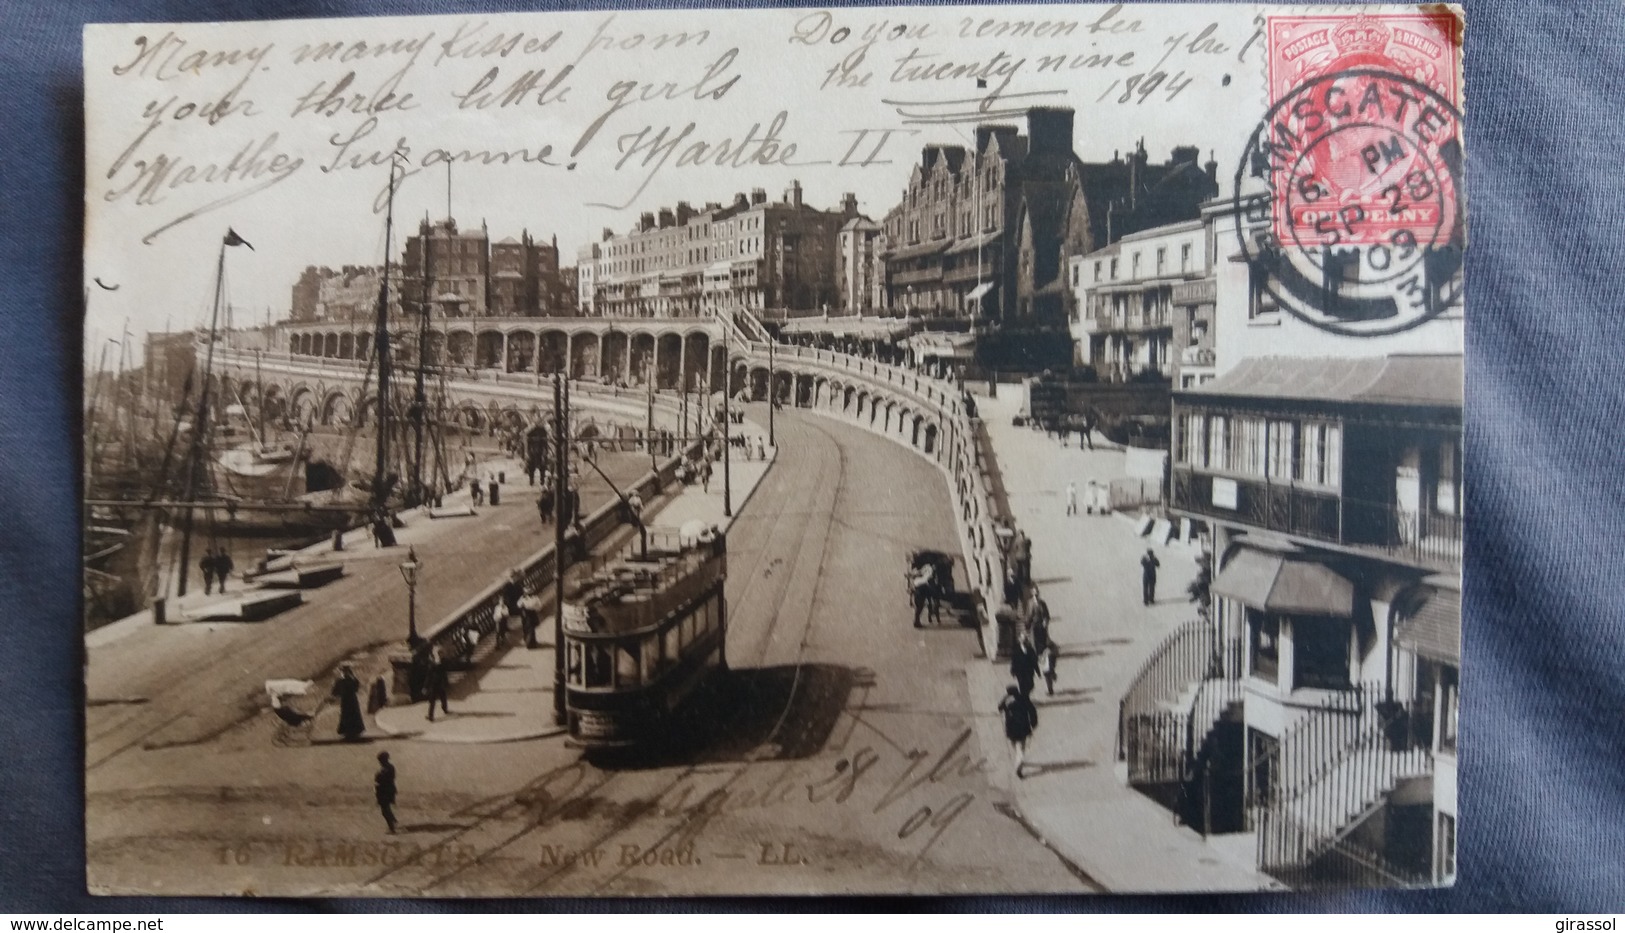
(200, 426)
(381, 353)
(420, 401)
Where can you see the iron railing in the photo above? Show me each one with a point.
(1153, 722)
(1323, 515)
(1329, 771)
(464, 634)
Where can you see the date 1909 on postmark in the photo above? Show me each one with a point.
(1349, 190)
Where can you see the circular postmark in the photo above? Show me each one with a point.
(1350, 204)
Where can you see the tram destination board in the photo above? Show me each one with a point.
(509, 474)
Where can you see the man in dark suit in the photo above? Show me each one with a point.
(384, 789)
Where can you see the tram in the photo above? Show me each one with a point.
(642, 628)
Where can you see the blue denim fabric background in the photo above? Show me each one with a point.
(1543, 737)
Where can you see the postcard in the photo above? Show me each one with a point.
(954, 449)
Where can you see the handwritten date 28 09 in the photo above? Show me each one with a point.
(920, 787)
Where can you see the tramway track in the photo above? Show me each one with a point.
(785, 520)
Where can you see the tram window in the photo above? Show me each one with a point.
(572, 664)
(673, 647)
(651, 658)
(627, 666)
(598, 667)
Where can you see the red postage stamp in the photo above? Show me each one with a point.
(1364, 145)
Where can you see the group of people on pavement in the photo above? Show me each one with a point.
(522, 601)
(1096, 498)
(1035, 654)
(216, 565)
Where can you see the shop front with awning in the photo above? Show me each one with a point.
(1299, 615)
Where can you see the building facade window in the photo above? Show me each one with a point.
(1098, 267)
(1260, 303)
(1185, 258)
(1449, 705)
(1114, 268)
(1264, 758)
(1162, 259)
(1320, 455)
(1446, 865)
(1320, 653)
(1283, 448)
(1265, 637)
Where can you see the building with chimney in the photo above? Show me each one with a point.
(776, 258)
(524, 278)
(346, 294)
(587, 259)
(987, 233)
(1143, 307)
(454, 264)
(861, 283)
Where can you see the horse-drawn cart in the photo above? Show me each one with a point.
(930, 582)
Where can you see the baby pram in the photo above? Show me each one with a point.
(295, 724)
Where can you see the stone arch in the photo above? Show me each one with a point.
(521, 352)
(668, 360)
(696, 359)
(346, 346)
(336, 408)
(554, 347)
(613, 350)
(460, 347)
(584, 362)
(469, 415)
(488, 349)
(640, 350)
(929, 439)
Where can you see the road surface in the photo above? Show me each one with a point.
(842, 753)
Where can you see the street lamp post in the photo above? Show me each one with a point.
(772, 392)
(409, 572)
(727, 422)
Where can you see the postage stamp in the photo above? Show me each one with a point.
(1361, 150)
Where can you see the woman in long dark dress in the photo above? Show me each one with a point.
(348, 690)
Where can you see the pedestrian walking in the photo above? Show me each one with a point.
(347, 688)
(1020, 721)
(761, 449)
(1038, 623)
(222, 567)
(476, 494)
(378, 696)
(1148, 576)
(206, 564)
(705, 475)
(544, 508)
(383, 786)
(509, 606)
(1024, 665)
(1071, 498)
(1092, 498)
(1051, 656)
(530, 615)
(438, 682)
